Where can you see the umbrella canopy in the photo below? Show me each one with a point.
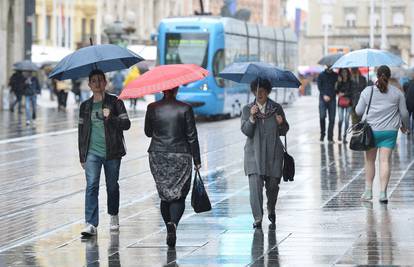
(246, 72)
(161, 78)
(329, 60)
(368, 58)
(105, 57)
(25, 65)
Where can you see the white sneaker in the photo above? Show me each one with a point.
(89, 230)
(114, 223)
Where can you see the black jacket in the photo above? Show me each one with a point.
(115, 124)
(171, 125)
(17, 83)
(326, 83)
(409, 95)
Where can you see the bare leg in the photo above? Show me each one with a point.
(370, 157)
(385, 167)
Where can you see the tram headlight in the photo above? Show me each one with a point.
(204, 87)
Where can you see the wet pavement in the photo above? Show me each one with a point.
(320, 219)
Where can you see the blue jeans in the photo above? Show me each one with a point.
(30, 101)
(343, 113)
(331, 108)
(93, 166)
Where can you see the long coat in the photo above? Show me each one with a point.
(263, 151)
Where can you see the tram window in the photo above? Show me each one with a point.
(187, 48)
(218, 65)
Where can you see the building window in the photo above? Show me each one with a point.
(398, 16)
(83, 29)
(350, 20)
(92, 27)
(327, 20)
(48, 26)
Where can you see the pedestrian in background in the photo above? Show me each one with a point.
(174, 144)
(263, 122)
(409, 100)
(327, 101)
(102, 120)
(62, 90)
(387, 114)
(85, 91)
(17, 87)
(117, 82)
(32, 89)
(359, 84)
(344, 87)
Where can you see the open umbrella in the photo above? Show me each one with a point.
(161, 78)
(25, 65)
(329, 60)
(246, 72)
(368, 58)
(106, 57)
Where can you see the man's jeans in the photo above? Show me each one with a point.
(323, 107)
(30, 101)
(93, 168)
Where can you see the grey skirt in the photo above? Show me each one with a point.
(172, 174)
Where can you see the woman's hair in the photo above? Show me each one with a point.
(263, 83)
(347, 72)
(383, 75)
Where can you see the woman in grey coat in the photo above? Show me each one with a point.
(263, 122)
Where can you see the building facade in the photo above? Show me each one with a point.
(12, 23)
(64, 23)
(346, 24)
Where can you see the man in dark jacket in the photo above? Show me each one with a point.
(327, 101)
(102, 120)
(31, 90)
(17, 86)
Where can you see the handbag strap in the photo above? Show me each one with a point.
(285, 147)
(370, 98)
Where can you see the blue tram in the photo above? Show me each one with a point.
(213, 43)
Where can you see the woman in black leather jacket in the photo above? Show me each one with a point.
(174, 143)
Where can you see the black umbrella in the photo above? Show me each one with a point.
(329, 60)
(25, 65)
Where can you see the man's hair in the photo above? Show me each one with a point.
(96, 72)
(263, 83)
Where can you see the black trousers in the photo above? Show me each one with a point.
(172, 211)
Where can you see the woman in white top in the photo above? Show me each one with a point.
(387, 114)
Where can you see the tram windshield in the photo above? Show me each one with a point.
(187, 48)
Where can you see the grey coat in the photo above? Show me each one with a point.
(263, 151)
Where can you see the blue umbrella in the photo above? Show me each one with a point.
(105, 57)
(246, 72)
(368, 58)
(25, 65)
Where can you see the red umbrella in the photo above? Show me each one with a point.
(161, 78)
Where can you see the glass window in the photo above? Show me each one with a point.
(350, 20)
(218, 65)
(398, 19)
(187, 48)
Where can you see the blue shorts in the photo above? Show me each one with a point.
(385, 138)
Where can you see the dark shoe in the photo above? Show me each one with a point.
(34, 116)
(322, 137)
(257, 225)
(272, 218)
(330, 141)
(171, 234)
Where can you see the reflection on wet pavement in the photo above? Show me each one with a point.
(320, 219)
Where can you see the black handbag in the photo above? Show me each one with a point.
(288, 165)
(362, 137)
(199, 198)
